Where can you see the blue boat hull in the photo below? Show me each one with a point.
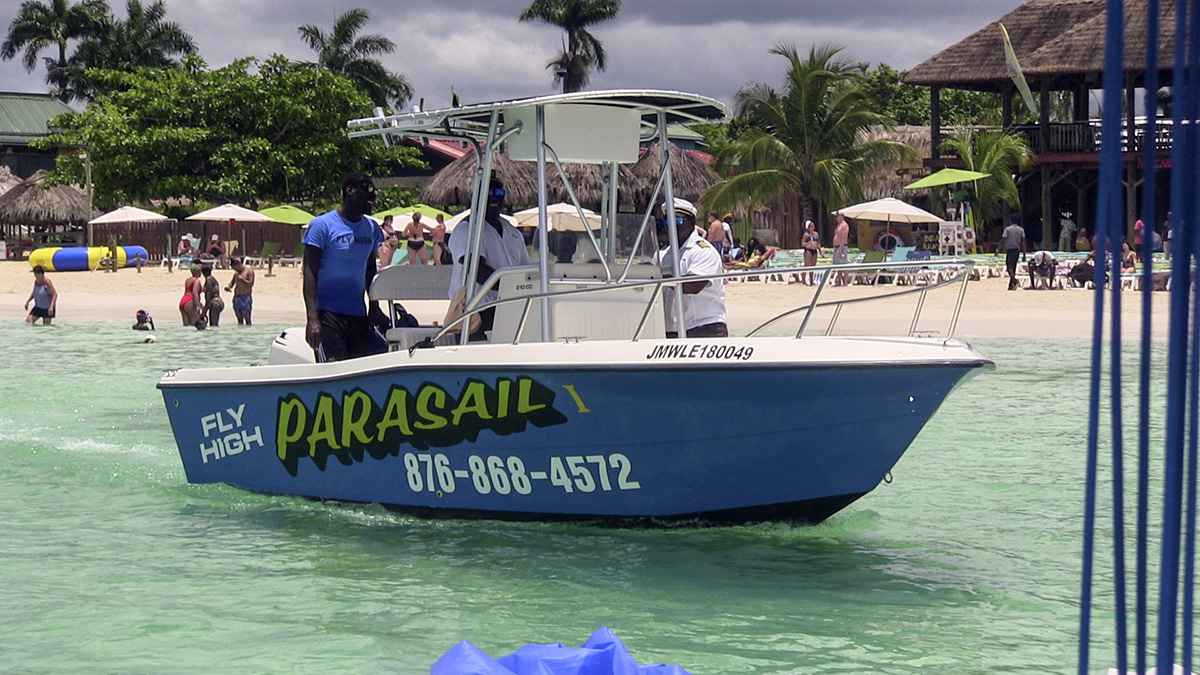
(717, 443)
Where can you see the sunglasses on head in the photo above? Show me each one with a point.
(497, 193)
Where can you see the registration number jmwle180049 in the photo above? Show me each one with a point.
(433, 472)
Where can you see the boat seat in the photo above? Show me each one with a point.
(411, 282)
(601, 316)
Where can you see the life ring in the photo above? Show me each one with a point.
(888, 240)
(969, 235)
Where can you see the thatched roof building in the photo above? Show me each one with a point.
(1052, 39)
(690, 177)
(888, 180)
(451, 186)
(29, 204)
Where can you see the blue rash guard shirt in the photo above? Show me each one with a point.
(345, 247)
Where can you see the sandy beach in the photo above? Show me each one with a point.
(989, 309)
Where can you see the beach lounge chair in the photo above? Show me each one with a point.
(270, 249)
(294, 258)
(899, 254)
(868, 276)
(917, 274)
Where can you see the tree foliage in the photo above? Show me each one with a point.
(39, 26)
(803, 139)
(344, 52)
(221, 135)
(144, 39)
(582, 51)
(998, 153)
(908, 104)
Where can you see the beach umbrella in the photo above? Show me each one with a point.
(453, 222)
(947, 176)
(287, 214)
(128, 214)
(890, 210)
(559, 218)
(403, 213)
(231, 212)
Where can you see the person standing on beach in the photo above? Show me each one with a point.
(213, 304)
(1013, 242)
(841, 249)
(388, 248)
(44, 298)
(1066, 235)
(811, 243)
(439, 241)
(703, 301)
(716, 233)
(339, 264)
(242, 285)
(414, 232)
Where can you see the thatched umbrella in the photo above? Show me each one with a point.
(690, 177)
(883, 180)
(452, 185)
(28, 204)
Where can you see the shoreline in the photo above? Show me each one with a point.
(989, 310)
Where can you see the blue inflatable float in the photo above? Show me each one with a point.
(602, 654)
(79, 258)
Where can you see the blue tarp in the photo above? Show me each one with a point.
(602, 654)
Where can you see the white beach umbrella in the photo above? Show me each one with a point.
(560, 217)
(232, 212)
(128, 214)
(453, 222)
(889, 209)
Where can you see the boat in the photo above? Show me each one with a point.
(578, 406)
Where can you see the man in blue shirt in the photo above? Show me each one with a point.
(339, 264)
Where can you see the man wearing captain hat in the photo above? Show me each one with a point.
(703, 301)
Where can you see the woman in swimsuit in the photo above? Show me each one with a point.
(811, 243)
(212, 296)
(414, 232)
(189, 305)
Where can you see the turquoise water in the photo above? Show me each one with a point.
(968, 562)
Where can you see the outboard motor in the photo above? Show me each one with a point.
(290, 348)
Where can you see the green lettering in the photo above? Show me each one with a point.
(395, 414)
(502, 389)
(524, 387)
(356, 412)
(432, 419)
(322, 428)
(473, 400)
(293, 417)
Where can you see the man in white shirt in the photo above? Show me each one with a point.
(703, 301)
(501, 245)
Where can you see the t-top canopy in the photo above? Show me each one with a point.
(626, 115)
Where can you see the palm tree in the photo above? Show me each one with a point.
(345, 53)
(582, 50)
(39, 26)
(143, 40)
(994, 152)
(805, 139)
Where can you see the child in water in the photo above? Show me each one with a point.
(144, 321)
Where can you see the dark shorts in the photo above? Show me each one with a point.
(243, 305)
(40, 313)
(416, 245)
(717, 329)
(347, 337)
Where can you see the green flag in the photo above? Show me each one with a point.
(1014, 71)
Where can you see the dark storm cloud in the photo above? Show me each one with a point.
(479, 49)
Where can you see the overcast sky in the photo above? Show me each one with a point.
(709, 47)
